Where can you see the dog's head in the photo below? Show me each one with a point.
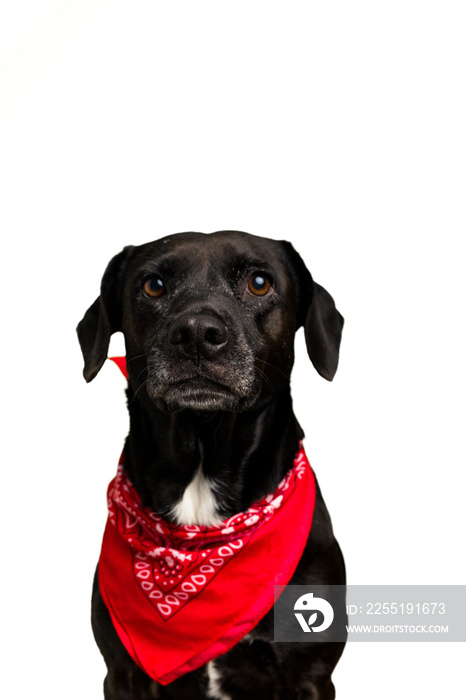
(209, 320)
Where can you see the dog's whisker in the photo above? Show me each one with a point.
(274, 367)
(138, 390)
(136, 357)
(144, 369)
(265, 377)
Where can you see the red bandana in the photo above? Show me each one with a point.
(179, 596)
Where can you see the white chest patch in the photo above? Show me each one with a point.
(198, 505)
(214, 689)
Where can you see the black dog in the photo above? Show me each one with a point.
(209, 324)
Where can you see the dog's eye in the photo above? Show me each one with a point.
(259, 284)
(154, 287)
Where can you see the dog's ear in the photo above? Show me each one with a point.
(323, 323)
(104, 316)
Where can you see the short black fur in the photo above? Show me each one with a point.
(209, 365)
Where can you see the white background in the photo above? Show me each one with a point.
(339, 126)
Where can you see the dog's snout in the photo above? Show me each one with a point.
(200, 335)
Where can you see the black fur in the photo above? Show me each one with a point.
(209, 364)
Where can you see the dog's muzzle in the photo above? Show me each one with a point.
(203, 362)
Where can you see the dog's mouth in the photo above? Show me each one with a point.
(199, 394)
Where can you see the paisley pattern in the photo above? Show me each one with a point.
(173, 564)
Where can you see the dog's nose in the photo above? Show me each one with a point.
(199, 335)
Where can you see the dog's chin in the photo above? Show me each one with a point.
(197, 395)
